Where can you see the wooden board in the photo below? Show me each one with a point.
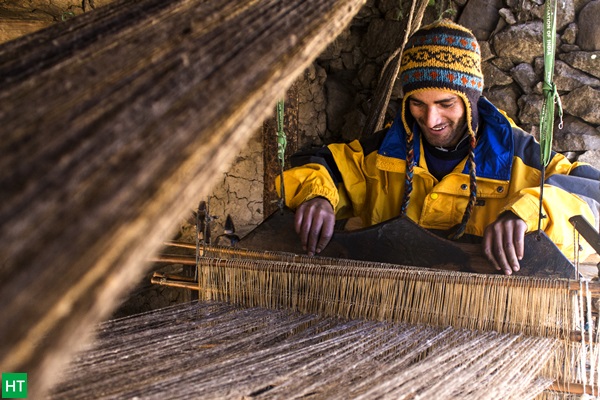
(401, 241)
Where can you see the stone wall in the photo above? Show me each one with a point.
(514, 67)
(510, 34)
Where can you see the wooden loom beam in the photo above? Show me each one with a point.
(593, 287)
(113, 123)
(181, 282)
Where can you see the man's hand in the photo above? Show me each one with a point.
(314, 222)
(504, 242)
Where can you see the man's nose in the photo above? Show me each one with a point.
(432, 117)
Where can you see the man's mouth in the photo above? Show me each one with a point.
(439, 128)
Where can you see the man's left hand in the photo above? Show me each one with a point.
(504, 242)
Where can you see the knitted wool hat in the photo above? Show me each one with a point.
(443, 56)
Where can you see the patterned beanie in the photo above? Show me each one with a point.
(443, 56)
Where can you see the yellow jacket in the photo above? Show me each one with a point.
(366, 179)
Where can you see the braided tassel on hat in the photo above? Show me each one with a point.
(443, 56)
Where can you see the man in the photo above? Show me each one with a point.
(451, 162)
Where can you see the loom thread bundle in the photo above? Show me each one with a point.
(534, 307)
(214, 350)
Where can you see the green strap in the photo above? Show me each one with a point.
(281, 145)
(281, 140)
(550, 94)
(549, 88)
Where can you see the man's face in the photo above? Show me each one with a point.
(441, 116)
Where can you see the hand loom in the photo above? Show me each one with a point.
(114, 121)
(537, 303)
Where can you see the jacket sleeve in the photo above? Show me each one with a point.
(570, 189)
(307, 182)
(583, 181)
(316, 173)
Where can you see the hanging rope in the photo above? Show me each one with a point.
(281, 145)
(383, 92)
(550, 97)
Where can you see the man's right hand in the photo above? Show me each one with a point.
(314, 222)
(504, 242)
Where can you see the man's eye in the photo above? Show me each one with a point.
(447, 105)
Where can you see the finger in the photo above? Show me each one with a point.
(326, 233)
(314, 234)
(298, 218)
(305, 227)
(519, 238)
(305, 234)
(499, 254)
(488, 251)
(509, 250)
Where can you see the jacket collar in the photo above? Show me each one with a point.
(493, 154)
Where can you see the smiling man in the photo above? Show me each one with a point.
(451, 162)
